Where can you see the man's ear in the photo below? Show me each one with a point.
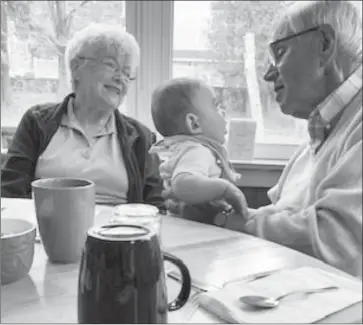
(192, 123)
(328, 47)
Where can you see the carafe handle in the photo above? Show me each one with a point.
(184, 293)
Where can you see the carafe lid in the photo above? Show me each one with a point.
(136, 210)
(119, 232)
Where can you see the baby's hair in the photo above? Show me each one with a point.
(170, 104)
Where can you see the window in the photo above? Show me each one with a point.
(204, 39)
(33, 39)
(225, 44)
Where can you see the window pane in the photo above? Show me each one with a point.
(214, 41)
(33, 39)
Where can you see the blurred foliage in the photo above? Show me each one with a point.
(229, 23)
(48, 25)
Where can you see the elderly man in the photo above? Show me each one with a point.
(316, 71)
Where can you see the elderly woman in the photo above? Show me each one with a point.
(316, 72)
(85, 136)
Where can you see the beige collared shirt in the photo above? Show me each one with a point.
(339, 98)
(327, 114)
(333, 105)
(98, 158)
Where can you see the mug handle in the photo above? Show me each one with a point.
(184, 293)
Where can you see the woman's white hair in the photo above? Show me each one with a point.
(345, 17)
(98, 41)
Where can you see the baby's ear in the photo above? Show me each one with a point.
(192, 123)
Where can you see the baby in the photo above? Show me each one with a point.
(198, 178)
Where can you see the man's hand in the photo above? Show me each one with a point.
(234, 196)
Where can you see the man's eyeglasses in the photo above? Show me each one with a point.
(275, 54)
(112, 66)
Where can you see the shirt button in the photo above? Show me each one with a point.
(328, 126)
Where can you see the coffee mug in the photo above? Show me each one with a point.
(122, 277)
(65, 211)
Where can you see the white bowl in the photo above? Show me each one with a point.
(17, 248)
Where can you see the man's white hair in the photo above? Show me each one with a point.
(345, 17)
(98, 41)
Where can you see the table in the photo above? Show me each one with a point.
(49, 293)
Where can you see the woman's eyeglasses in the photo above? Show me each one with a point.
(112, 66)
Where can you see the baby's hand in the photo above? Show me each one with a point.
(234, 196)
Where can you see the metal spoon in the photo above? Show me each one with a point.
(266, 302)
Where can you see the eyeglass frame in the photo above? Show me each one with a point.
(115, 68)
(272, 44)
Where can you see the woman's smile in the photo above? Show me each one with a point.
(113, 88)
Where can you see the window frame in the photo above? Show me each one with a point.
(152, 24)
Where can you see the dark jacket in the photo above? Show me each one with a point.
(37, 127)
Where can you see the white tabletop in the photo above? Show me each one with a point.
(49, 293)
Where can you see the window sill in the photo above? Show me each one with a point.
(260, 164)
(256, 173)
(259, 172)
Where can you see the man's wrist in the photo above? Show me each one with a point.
(221, 218)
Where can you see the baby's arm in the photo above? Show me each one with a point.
(191, 182)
